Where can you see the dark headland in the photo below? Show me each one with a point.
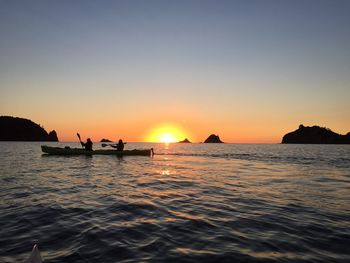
(185, 141)
(315, 135)
(213, 139)
(19, 129)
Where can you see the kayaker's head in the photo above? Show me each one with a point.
(88, 139)
(120, 141)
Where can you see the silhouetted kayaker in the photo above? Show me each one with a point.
(87, 144)
(119, 145)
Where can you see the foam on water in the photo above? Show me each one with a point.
(189, 203)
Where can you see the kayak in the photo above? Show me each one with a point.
(35, 256)
(80, 151)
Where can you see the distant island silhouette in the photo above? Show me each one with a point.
(185, 141)
(20, 129)
(105, 140)
(213, 139)
(315, 135)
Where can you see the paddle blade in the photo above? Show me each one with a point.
(80, 140)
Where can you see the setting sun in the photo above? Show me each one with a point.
(166, 133)
(167, 138)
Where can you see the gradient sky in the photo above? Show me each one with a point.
(249, 71)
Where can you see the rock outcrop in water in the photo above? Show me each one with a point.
(315, 135)
(213, 139)
(52, 136)
(105, 140)
(185, 141)
(19, 129)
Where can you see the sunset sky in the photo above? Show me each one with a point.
(249, 71)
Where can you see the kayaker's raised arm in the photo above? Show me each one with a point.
(119, 145)
(87, 145)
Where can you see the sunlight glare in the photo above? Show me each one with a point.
(167, 138)
(166, 133)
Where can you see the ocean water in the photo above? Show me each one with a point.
(188, 203)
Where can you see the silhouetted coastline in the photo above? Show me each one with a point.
(315, 135)
(20, 129)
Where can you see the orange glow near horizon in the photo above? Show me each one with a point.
(166, 133)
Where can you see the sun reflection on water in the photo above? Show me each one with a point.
(165, 172)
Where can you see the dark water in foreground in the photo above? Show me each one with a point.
(193, 203)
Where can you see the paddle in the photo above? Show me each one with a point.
(105, 144)
(80, 140)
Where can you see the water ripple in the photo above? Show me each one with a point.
(234, 204)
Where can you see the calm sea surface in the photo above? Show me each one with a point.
(189, 203)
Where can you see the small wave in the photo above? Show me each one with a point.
(338, 162)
